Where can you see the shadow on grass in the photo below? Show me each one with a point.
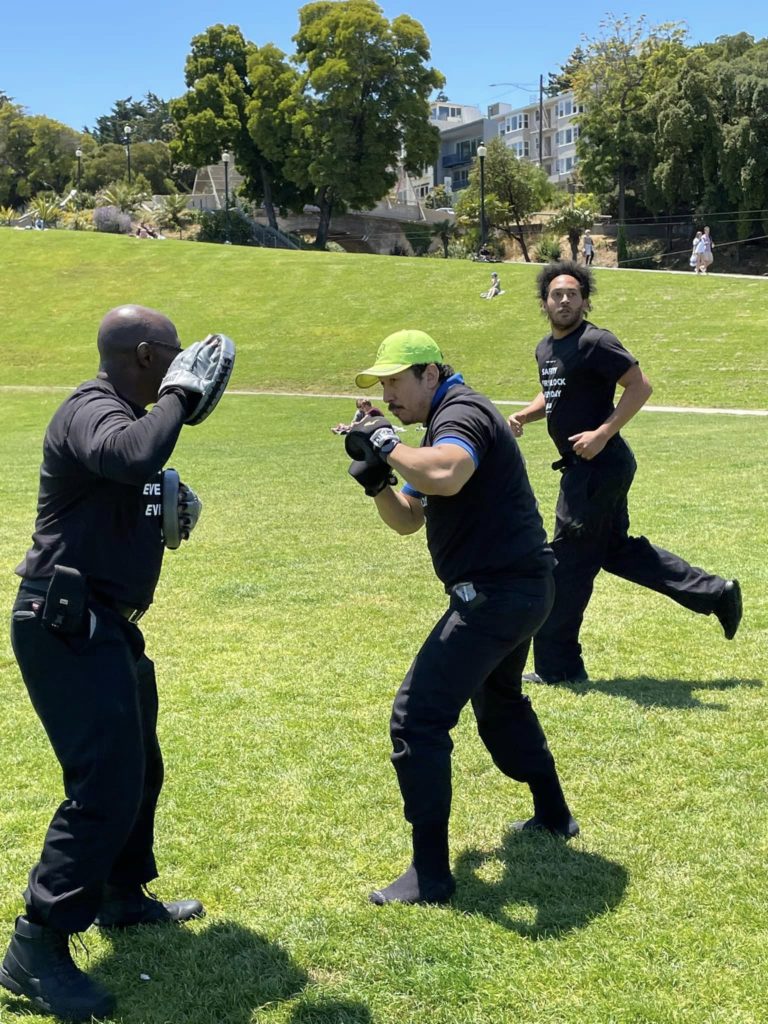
(663, 693)
(219, 974)
(557, 887)
(331, 1011)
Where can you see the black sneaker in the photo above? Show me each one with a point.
(39, 965)
(534, 824)
(534, 677)
(131, 906)
(729, 608)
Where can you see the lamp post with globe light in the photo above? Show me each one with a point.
(481, 152)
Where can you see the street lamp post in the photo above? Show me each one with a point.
(79, 155)
(481, 151)
(225, 161)
(128, 131)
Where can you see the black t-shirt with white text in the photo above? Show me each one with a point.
(99, 506)
(578, 376)
(491, 530)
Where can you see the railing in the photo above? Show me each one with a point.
(454, 159)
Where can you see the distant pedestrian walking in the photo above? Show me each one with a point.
(703, 250)
(589, 248)
(694, 260)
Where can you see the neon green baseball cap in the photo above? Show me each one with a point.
(397, 352)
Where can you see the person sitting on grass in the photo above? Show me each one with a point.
(364, 407)
(495, 288)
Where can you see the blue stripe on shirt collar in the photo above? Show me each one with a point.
(448, 383)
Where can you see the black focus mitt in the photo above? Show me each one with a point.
(373, 477)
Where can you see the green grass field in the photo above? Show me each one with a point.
(283, 628)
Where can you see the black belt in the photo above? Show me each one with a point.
(128, 611)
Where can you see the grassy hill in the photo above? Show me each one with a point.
(283, 628)
(306, 321)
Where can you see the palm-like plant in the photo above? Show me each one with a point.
(173, 213)
(8, 215)
(45, 209)
(446, 231)
(126, 197)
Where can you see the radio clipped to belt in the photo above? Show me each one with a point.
(66, 602)
(181, 509)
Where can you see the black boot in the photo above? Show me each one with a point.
(126, 906)
(429, 878)
(550, 810)
(38, 965)
(568, 830)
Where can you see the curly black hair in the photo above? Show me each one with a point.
(583, 275)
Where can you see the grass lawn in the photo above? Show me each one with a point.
(282, 629)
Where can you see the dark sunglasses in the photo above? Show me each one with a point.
(166, 344)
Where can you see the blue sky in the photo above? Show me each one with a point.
(72, 61)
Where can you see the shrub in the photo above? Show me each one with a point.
(111, 220)
(215, 226)
(457, 250)
(548, 250)
(8, 215)
(622, 253)
(644, 254)
(77, 220)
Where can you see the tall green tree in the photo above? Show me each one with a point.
(102, 165)
(364, 104)
(514, 190)
(616, 83)
(562, 81)
(275, 96)
(149, 118)
(743, 93)
(37, 154)
(686, 140)
(213, 114)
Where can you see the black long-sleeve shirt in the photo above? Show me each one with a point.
(99, 507)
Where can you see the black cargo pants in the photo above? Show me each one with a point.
(97, 699)
(592, 533)
(476, 652)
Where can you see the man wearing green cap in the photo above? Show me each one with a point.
(467, 482)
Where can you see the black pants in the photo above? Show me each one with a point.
(476, 652)
(97, 699)
(592, 533)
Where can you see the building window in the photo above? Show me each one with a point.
(460, 180)
(520, 149)
(515, 122)
(468, 148)
(566, 164)
(565, 108)
(565, 136)
(445, 113)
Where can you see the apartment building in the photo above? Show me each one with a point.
(463, 128)
(556, 133)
